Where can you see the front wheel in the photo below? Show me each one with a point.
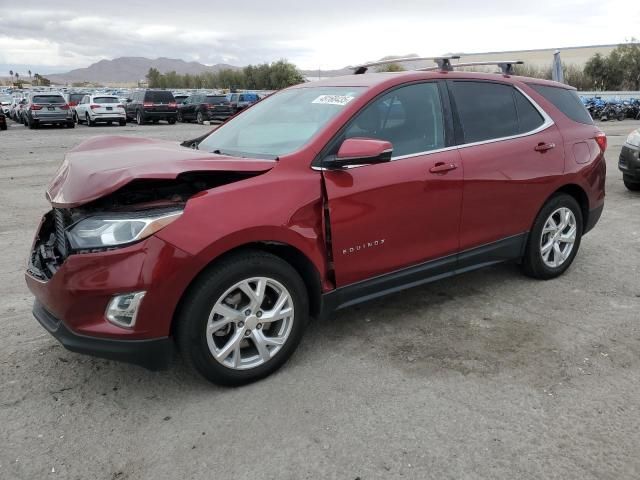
(243, 318)
(199, 118)
(555, 238)
(171, 121)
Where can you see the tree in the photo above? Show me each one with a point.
(29, 74)
(390, 67)
(619, 70)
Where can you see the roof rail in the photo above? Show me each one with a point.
(444, 63)
(505, 65)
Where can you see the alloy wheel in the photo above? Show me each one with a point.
(250, 323)
(558, 237)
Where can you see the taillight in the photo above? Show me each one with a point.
(93, 107)
(119, 106)
(147, 104)
(35, 107)
(73, 104)
(64, 107)
(601, 140)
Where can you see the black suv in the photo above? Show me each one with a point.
(201, 107)
(629, 162)
(151, 105)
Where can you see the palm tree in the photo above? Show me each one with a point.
(29, 74)
(11, 73)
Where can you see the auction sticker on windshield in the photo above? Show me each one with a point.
(333, 99)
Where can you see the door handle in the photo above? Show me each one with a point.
(442, 167)
(543, 147)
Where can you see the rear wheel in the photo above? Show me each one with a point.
(123, 123)
(31, 123)
(90, 122)
(179, 117)
(555, 238)
(633, 185)
(200, 118)
(71, 124)
(243, 318)
(139, 118)
(171, 121)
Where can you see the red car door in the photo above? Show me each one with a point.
(384, 217)
(512, 154)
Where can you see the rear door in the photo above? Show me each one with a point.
(393, 215)
(512, 155)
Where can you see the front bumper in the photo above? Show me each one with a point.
(153, 354)
(629, 161)
(75, 292)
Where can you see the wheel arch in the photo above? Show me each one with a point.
(580, 196)
(290, 254)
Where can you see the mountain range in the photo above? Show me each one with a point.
(131, 70)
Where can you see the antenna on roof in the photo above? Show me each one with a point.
(444, 63)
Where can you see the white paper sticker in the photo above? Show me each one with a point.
(341, 100)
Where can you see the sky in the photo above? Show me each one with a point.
(51, 37)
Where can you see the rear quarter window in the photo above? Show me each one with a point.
(567, 101)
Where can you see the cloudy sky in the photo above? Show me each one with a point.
(56, 36)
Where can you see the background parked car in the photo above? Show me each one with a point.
(239, 101)
(5, 103)
(73, 98)
(629, 161)
(15, 109)
(154, 105)
(47, 108)
(180, 97)
(201, 107)
(93, 109)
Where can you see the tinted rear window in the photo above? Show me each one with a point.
(528, 116)
(106, 100)
(159, 97)
(49, 99)
(76, 97)
(215, 99)
(487, 110)
(567, 101)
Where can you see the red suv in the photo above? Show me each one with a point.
(322, 196)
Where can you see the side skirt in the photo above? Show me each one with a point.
(510, 248)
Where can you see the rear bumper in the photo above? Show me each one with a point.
(111, 117)
(51, 118)
(153, 354)
(213, 115)
(629, 161)
(159, 115)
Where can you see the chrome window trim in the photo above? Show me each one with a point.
(548, 122)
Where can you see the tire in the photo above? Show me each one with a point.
(31, 123)
(123, 123)
(71, 125)
(632, 185)
(199, 118)
(139, 118)
(77, 118)
(534, 265)
(3, 127)
(171, 121)
(179, 117)
(90, 122)
(243, 365)
(109, 122)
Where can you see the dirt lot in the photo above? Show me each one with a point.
(487, 375)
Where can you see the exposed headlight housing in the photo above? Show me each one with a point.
(123, 309)
(634, 138)
(117, 229)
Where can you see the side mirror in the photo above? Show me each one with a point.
(360, 151)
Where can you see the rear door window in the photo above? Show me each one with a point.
(529, 117)
(57, 99)
(565, 100)
(409, 117)
(486, 110)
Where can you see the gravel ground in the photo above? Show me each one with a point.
(486, 375)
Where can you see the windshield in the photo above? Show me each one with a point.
(216, 99)
(281, 123)
(159, 97)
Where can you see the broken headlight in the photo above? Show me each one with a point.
(110, 230)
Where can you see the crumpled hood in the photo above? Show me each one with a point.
(102, 165)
